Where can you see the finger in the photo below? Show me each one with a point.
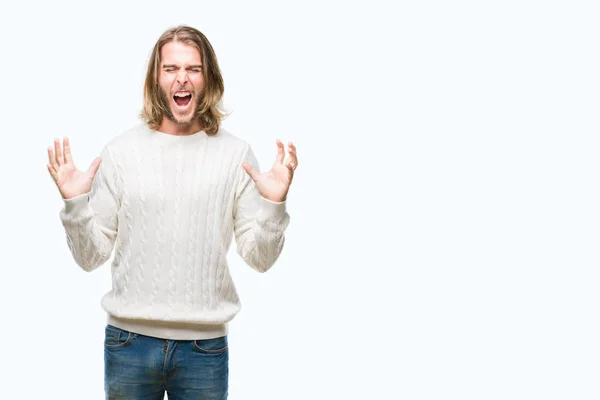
(293, 156)
(291, 166)
(58, 151)
(250, 171)
(292, 147)
(52, 158)
(52, 172)
(68, 156)
(280, 152)
(94, 166)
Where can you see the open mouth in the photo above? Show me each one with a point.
(182, 99)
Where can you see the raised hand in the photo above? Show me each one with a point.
(70, 181)
(274, 184)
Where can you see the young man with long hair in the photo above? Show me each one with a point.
(168, 196)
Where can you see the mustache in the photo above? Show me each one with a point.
(184, 89)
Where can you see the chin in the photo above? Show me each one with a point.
(182, 118)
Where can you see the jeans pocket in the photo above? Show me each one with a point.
(211, 346)
(115, 337)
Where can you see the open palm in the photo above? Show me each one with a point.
(70, 181)
(275, 184)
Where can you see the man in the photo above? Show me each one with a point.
(168, 196)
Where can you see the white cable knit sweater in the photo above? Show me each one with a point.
(170, 206)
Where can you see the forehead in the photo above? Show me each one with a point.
(179, 53)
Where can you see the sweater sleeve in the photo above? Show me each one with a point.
(90, 219)
(259, 224)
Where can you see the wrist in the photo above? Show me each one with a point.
(275, 199)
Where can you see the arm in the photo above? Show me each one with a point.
(90, 219)
(259, 223)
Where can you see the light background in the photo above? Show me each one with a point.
(444, 227)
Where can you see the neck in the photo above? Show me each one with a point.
(170, 127)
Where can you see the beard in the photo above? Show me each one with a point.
(186, 120)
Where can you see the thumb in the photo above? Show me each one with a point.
(94, 166)
(250, 171)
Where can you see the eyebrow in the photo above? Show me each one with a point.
(176, 66)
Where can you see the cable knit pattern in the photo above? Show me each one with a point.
(157, 163)
(173, 204)
(124, 267)
(175, 262)
(141, 258)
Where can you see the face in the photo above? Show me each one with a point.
(181, 81)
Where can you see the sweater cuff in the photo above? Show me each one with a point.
(271, 210)
(77, 205)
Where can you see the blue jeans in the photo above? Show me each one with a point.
(143, 367)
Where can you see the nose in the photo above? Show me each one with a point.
(182, 77)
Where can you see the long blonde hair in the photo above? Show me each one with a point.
(209, 112)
